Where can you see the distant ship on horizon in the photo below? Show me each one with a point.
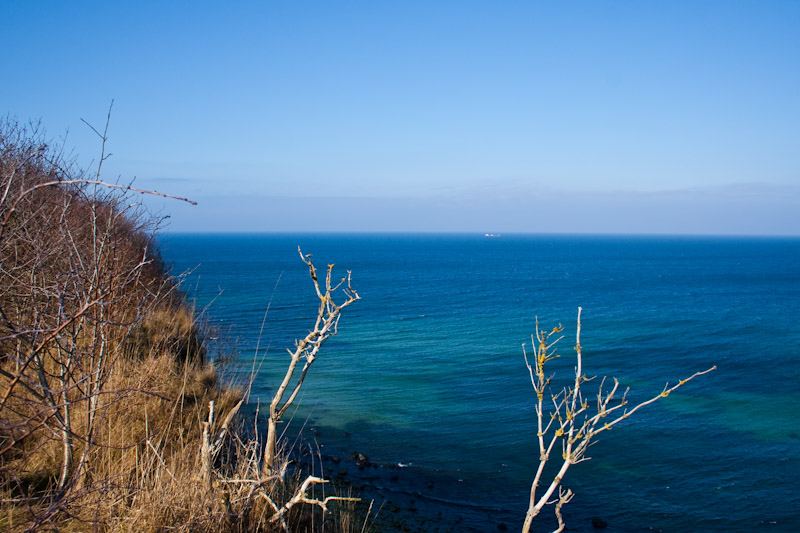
(492, 235)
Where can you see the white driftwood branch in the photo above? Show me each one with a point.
(569, 422)
(301, 496)
(306, 349)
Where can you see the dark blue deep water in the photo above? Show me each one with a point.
(427, 369)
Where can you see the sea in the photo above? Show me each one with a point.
(426, 376)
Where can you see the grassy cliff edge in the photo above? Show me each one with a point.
(110, 416)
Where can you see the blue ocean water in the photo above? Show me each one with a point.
(427, 369)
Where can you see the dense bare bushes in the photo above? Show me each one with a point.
(110, 418)
(80, 284)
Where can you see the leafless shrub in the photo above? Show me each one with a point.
(81, 287)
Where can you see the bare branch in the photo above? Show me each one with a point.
(301, 496)
(307, 348)
(573, 426)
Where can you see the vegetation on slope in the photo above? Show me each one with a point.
(110, 416)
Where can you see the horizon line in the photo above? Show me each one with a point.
(489, 234)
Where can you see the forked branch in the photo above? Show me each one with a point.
(569, 421)
(301, 496)
(307, 348)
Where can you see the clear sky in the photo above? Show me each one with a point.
(594, 116)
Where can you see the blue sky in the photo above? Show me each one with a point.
(618, 117)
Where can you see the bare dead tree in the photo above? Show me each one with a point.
(307, 348)
(565, 419)
(252, 480)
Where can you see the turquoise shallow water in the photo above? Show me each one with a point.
(427, 369)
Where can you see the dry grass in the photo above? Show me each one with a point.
(144, 470)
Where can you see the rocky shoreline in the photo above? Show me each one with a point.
(407, 498)
(403, 497)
